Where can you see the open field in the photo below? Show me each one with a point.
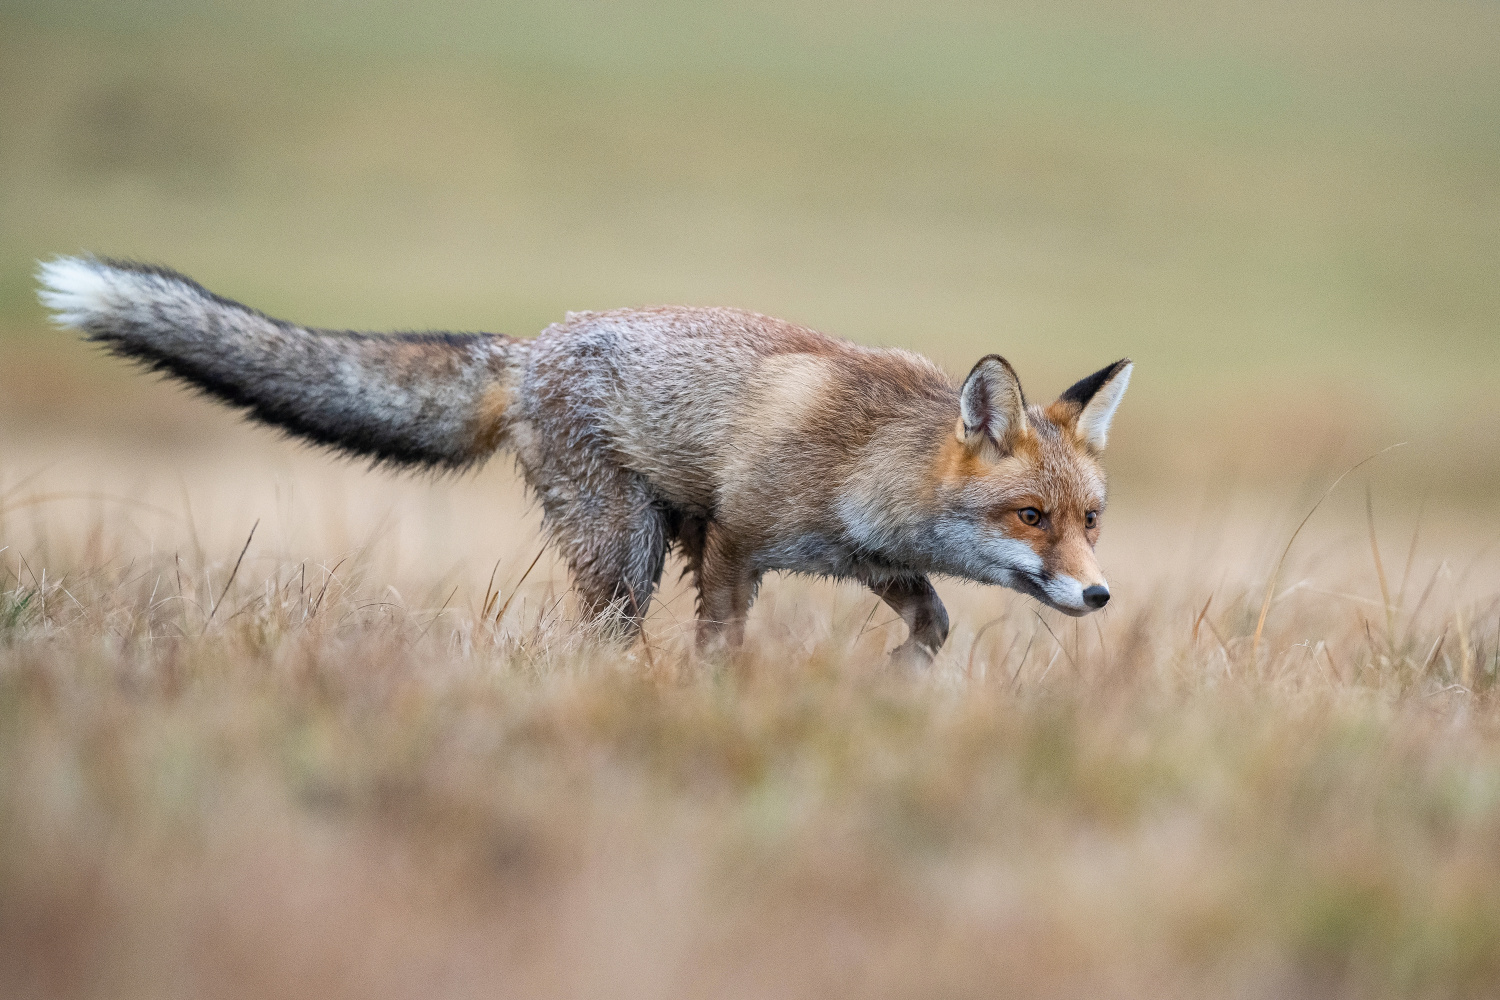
(332, 774)
(365, 752)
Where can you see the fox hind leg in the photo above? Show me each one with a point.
(614, 535)
(920, 608)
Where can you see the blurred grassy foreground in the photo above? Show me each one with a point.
(363, 753)
(366, 754)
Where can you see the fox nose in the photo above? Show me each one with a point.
(1096, 596)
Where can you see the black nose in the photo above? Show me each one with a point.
(1096, 596)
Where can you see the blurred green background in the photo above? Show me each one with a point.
(1287, 213)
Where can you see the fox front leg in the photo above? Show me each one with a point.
(919, 606)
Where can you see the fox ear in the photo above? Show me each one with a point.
(1090, 404)
(991, 406)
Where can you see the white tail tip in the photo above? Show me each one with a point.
(78, 289)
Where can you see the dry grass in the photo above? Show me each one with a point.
(342, 778)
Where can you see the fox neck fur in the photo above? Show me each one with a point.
(745, 443)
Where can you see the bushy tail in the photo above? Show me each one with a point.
(433, 400)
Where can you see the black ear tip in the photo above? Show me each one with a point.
(1083, 390)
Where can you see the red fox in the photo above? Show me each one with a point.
(747, 443)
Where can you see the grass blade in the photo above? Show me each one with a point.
(232, 574)
(1265, 607)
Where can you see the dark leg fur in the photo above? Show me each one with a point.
(918, 605)
(614, 536)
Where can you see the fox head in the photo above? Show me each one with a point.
(1021, 486)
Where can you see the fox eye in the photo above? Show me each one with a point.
(1091, 519)
(1030, 516)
